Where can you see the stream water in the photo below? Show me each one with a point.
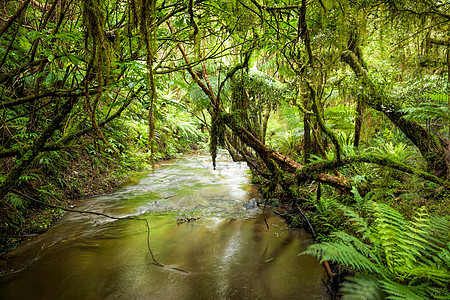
(227, 250)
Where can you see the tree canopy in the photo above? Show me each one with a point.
(68, 68)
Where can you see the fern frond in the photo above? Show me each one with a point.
(415, 253)
(445, 256)
(439, 227)
(398, 291)
(342, 254)
(355, 218)
(389, 235)
(362, 248)
(439, 276)
(426, 111)
(431, 239)
(361, 288)
(389, 215)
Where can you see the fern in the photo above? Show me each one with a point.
(359, 245)
(409, 259)
(428, 111)
(398, 291)
(361, 287)
(288, 143)
(356, 220)
(341, 117)
(16, 201)
(347, 255)
(398, 152)
(188, 129)
(346, 139)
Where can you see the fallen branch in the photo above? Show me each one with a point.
(155, 262)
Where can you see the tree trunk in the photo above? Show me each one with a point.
(148, 30)
(358, 122)
(265, 122)
(307, 146)
(434, 149)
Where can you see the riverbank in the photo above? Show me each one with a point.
(68, 177)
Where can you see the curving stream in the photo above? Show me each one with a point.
(228, 251)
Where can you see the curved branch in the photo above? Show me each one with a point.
(54, 93)
(53, 146)
(284, 162)
(233, 71)
(310, 169)
(431, 148)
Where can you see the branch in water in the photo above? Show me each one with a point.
(103, 215)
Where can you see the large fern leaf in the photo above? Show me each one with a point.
(360, 246)
(398, 291)
(344, 254)
(360, 287)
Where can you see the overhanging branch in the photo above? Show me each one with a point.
(309, 170)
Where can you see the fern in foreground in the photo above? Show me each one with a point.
(394, 258)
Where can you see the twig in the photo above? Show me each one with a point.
(326, 285)
(264, 213)
(307, 221)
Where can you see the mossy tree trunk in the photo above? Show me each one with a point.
(433, 148)
(358, 122)
(149, 35)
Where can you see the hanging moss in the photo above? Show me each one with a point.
(94, 22)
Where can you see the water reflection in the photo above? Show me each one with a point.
(229, 252)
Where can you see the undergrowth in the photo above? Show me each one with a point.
(393, 258)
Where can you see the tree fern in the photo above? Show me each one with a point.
(409, 259)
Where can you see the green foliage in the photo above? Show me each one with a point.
(426, 101)
(263, 85)
(398, 152)
(288, 143)
(97, 51)
(405, 259)
(427, 111)
(16, 201)
(421, 89)
(340, 117)
(359, 287)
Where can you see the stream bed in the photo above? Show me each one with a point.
(203, 221)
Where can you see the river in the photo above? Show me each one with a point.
(198, 224)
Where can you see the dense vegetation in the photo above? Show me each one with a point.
(334, 105)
